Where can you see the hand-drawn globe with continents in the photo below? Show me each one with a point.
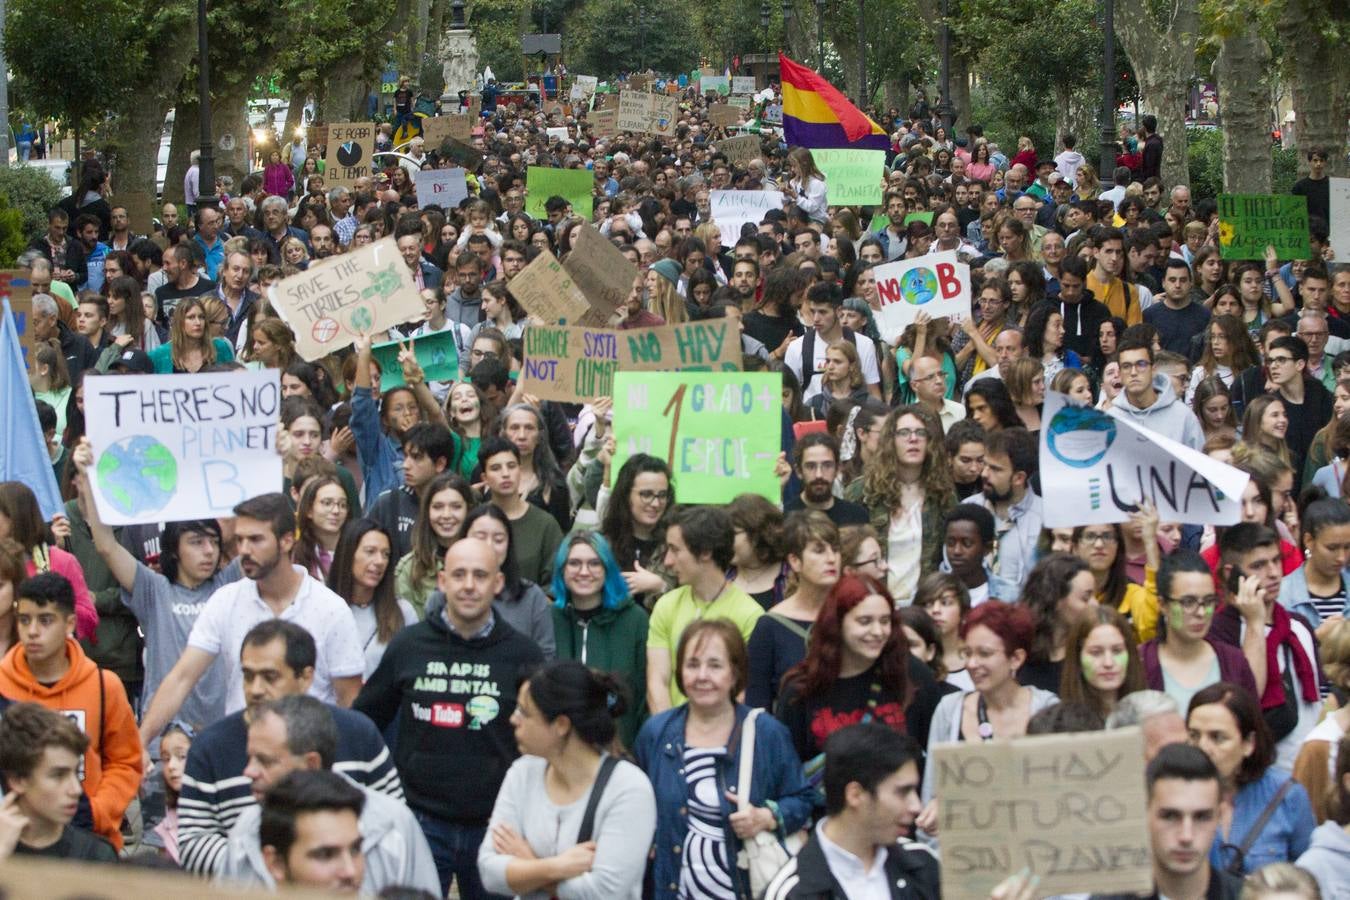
(137, 475)
(918, 286)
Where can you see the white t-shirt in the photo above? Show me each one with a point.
(1286, 751)
(233, 610)
(867, 358)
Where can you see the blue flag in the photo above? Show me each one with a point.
(23, 450)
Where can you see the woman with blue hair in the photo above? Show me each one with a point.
(596, 622)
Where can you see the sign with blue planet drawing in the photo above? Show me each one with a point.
(1096, 466)
(174, 447)
(937, 284)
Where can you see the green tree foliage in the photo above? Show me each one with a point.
(605, 37)
(30, 192)
(68, 58)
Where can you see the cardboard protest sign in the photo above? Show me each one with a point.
(602, 273)
(639, 82)
(576, 186)
(546, 289)
(1248, 223)
(1070, 808)
(174, 447)
(36, 878)
(723, 115)
(604, 122)
(1096, 466)
(436, 354)
(647, 113)
(1339, 212)
(732, 209)
(743, 84)
(445, 188)
(461, 153)
(711, 345)
(852, 177)
(740, 150)
(366, 290)
(936, 284)
(569, 365)
(608, 101)
(720, 432)
(15, 287)
(438, 128)
(347, 153)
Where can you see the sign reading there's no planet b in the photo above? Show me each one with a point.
(937, 284)
(1097, 466)
(367, 290)
(174, 447)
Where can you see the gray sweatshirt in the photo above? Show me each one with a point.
(1168, 415)
(1328, 859)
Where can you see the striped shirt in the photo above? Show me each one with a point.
(215, 789)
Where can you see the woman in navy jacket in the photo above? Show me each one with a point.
(692, 755)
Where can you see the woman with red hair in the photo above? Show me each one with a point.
(856, 668)
(998, 637)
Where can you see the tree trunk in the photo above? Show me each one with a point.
(141, 128)
(1163, 55)
(229, 116)
(1240, 69)
(960, 81)
(1320, 76)
(295, 115)
(345, 92)
(186, 138)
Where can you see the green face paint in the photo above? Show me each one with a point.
(1122, 660)
(1176, 617)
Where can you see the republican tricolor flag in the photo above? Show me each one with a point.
(815, 114)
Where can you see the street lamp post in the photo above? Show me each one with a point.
(820, 36)
(787, 18)
(206, 164)
(764, 22)
(862, 53)
(945, 110)
(1106, 166)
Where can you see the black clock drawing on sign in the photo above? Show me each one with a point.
(350, 153)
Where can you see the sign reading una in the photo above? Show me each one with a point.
(174, 447)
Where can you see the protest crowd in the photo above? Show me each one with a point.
(455, 628)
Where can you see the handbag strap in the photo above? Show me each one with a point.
(1259, 825)
(607, 766)
(747, 760)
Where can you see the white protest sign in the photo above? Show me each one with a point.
(366, 290)
(743, 84)
(1096, 466)
(557, 134)
(732, 209)
(583, 86)
(1340, 217)
(445, 188)
(936, 284)
(174, 447)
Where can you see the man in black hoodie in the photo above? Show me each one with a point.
(451, 683)
(1083, 314)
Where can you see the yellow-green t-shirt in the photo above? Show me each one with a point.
(675, 611)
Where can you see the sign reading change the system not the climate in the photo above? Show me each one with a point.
(1097, 466)
(174, 447)
(719, 431)
(367, 290)
(936, 284)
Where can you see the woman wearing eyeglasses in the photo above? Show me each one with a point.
(1182, 659)
(1272, 818)
(633, 520)
(907, 488)
(595, 621)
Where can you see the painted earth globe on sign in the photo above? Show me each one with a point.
(918, 286)
(137, 475)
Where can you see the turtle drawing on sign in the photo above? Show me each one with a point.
(382, 283)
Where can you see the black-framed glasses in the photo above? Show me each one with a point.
(1191, 604)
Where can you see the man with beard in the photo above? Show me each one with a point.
(93, 251)
(815, 461)
(1011, 461)
(321, 239)
(272, 587)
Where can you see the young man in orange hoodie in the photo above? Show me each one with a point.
(47, 666)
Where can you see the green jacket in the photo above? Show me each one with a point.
(118, 640)
(615, 640)
(416, 593)
(931, 517)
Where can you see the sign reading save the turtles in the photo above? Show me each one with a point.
(368, 290)
(174, 447)
(936, 284)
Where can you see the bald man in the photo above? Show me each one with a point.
(451, 682)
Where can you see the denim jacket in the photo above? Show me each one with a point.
(381, 458)
(776, 775)
(1294, 595)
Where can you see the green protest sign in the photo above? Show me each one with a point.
(879, 222)
(719, 431)
(852, 177)
(574, 185)
(437, 354)
(1248, 223)
(926, 217)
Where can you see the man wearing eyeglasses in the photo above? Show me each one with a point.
(1149, 399)
(929, 381)
(1307, 404)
